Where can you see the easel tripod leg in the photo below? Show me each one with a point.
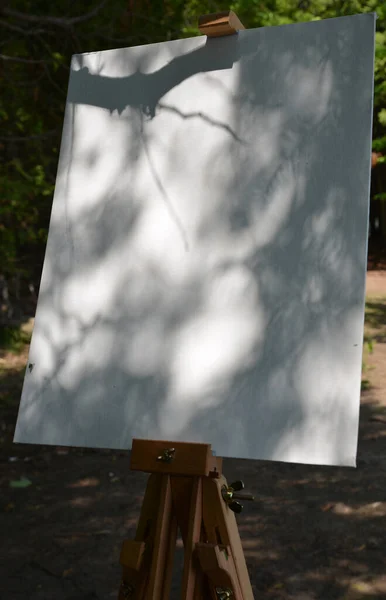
(187, 494)
(222, 556)
(147, 561)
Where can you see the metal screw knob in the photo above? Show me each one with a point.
(236, 507)
(237, 485)
(228, 494)
(224, 593)
(167, 455)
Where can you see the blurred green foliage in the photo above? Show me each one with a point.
(14, 338)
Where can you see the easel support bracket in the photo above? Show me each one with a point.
(185, 490)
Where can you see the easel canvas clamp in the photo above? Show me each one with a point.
(186, 490)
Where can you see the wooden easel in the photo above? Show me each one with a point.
(186, 490)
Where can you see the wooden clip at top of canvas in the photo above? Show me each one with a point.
(219, 24)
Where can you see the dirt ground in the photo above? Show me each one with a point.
(313, 533)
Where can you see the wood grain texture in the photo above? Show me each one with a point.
(221, 529)
(190, 458)
(219, 24)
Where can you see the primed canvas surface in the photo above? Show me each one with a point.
(204, 278)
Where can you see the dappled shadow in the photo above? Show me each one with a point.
(208, 283)
(314, 532)
(147, 84)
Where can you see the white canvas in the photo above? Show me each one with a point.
(204, 278)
